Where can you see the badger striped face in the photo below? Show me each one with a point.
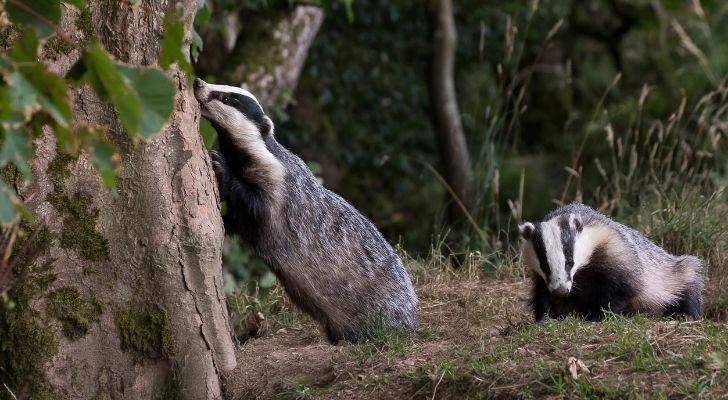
(234, 109)
(237, 115)
(549, 248)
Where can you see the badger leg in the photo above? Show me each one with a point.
(542, 302)
(246, 203)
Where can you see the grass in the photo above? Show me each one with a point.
(477, 338)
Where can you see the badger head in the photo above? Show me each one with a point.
(233, 109)
(552, 249)
(240, 122)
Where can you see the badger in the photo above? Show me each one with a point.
(585, 263)
(332, 261)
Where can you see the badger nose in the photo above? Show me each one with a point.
(197, 83)
(561, 291)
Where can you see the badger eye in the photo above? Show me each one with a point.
(225, 99)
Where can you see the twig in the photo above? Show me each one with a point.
(434, 391)
(43, 20)
(10, 391)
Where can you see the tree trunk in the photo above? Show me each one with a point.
(451, 138)
(121, 295)
(268, 54)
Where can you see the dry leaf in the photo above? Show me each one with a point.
(575, 366)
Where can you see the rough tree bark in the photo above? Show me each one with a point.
(262, 53)
(446, 116)
(121, 295)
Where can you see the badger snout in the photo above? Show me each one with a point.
(199, 87)
(561, 291)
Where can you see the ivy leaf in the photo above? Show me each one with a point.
(109, 83)
(79, 4)
(30, 86)
(28, 91)
(36, 13)
(103, 160)
(8, 201)
(156, 95)
(172, 45)
(16, 149)
(197, 44)
(203, 14)
(208, 133)
(25, 47)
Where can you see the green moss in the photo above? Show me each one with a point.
(146, 331)
(258, 36)
(75, 313)
(58, 169)
(10, 174)
(57, 47)
(43, 276)
(79, 226)
(85, 24)
(8, 34)
(25, 345)
(79, 219)
(26, 348)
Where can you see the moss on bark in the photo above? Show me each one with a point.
(75, 313)
(25, 344)
(79, 219)
(146, 331)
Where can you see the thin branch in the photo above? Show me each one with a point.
(43, 20)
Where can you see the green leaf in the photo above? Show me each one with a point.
(197, 44)
(172, 44)
(156, 95)
(203, 15)
(110, 84)
(36, 13)
(25, 47)
(103, 159)
(79, 4)
(8, 201)
(16, 149)
(32, 89)
(208, 133)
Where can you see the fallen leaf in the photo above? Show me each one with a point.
(575, 366)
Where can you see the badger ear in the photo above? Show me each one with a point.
(266, 126)
(526, 230)
(575, 221)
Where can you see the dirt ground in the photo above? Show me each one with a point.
(477, 340)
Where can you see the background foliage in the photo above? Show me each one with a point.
(620, 104)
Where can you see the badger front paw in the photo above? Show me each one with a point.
(220, 166)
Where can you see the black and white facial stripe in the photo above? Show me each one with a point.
(245, 104)
(551, 249)
(240, 121)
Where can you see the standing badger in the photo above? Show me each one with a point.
(332, 261)
(586, 263)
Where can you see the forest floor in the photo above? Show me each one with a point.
(477, 339)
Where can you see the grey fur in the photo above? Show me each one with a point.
(333, 262)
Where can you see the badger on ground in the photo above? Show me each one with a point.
(333, 262)
(585, 263)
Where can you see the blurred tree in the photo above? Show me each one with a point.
(454, 153)
(261, 47)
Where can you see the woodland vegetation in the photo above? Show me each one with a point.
(445, 122)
